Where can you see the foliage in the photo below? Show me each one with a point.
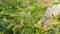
(22, 16)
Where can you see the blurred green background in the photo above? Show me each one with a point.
(22, 16)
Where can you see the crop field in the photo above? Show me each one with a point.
(22, 17)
